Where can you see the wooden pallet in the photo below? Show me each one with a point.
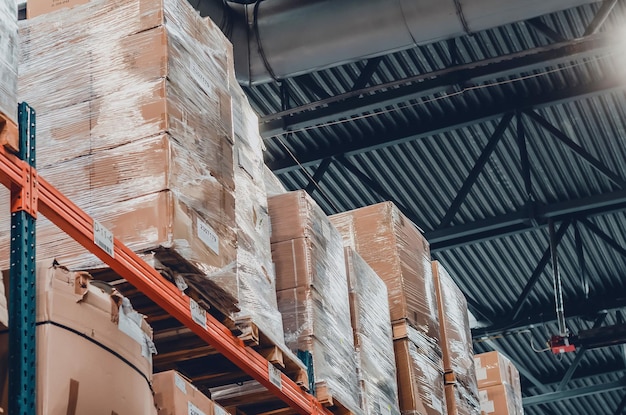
(251, 398)
(9, 136)
(180, 349)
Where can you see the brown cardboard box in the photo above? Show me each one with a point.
(296, 215)
(456, 338)
(492, 368)
(460, 401)
(500, 400)
(420, 377)
(391, 244)
(294, 263)
(35, 8)
(90, 353)
(174, 394)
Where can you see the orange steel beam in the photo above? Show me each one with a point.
(77, 224)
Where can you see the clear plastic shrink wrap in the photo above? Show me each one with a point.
(134, 125)
(312, 291)
(456, 343)
(8, 59)
(420, 375)
(372, 337)
(252, 279)
(273, 186)
(391, 244)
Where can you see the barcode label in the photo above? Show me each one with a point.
(103, 237)
(208, 236)
(193, 409)
(180, 383)
(198, 314)
(201, 79)
(487, 407)
(481, 373)
(275, 376)
(218, 410)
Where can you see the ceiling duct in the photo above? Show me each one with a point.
(276, 39)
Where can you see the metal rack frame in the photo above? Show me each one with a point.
(31, 194)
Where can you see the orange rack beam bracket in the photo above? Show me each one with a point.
(80, 226)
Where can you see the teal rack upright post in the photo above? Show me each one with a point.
(22, 279)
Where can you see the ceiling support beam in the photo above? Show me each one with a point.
(412, 88)
(317, 176)
(476, 170)
(530, 217)
(525, 170)
(576, 148)
(574, 393)
(600, 17)
(545, 30)
(534, 318)
(532, 281)
(621, 406)
(450, 122)
(309, 83)
(610, 241)
(366, 74)
(580, 353)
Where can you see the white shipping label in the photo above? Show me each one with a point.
(198, 314)
(275, 376)
(193, 409)
(481, 373)
(180, 383)
(437, 406)
(487, 407)
(477, 362)
(198, 75)
(482, 396)
(208, 236)
(103, 237)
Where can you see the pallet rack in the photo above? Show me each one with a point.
(31, 195)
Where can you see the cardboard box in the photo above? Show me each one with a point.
(391, 244)
(460, 401)
(500, 400)
(79, 323)
(420, 376)
(174, 395)
(35, 8)
(456, 338)
(492, 368)
(8, 65)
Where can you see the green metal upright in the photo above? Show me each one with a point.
(22, 287)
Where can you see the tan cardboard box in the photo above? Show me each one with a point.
(35, 8)
(420, 380)
(175, 395)
(492, 368)
(86, 358)
(392, 245)
(500, 400)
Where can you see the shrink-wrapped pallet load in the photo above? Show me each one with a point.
(456, 345)
(173, 394)
(8, 73)
(79, 322)
(312, 291)
(135, 126)
(372, 337)
(395, 249)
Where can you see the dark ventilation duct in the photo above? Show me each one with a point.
(276, 39)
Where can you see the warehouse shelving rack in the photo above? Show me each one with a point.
(30, 195)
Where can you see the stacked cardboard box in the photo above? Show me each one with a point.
(456, 344)
(173, 394)
(312, 291)
(134, 115)
(8, 70)
(369, 311)
(78, 323)
(394, 248)
(499, 385)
